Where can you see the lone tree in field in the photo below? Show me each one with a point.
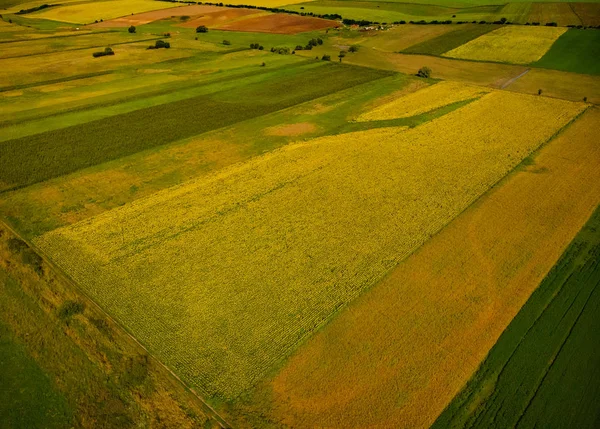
(424, 72)
(539, 92)
(353, 48)
(202, 29)
(131, 29)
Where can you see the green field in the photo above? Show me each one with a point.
(28, 398)
(545, 369)
(449, 41)
(65, 150)
(575, 51)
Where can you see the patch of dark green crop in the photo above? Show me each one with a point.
(32, 159)
(575, 51)
(544, 371)
(448, 41)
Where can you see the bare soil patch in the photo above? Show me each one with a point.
(219, 17)
(155, 15)
(280, 23)
(291, 129)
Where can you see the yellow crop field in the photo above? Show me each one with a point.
(402, 351)
(85, 13)
(423, 100)
(511, 44)
(224, 276)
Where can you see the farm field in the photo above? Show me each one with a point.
(215, 216)
(422, 101)
(256, 196)
(432, 320)
(517, 45)
(575, 51)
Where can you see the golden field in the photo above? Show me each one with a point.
(400, 353)
(222, 277)
(423, 100)
(87, 13)
(510, 44)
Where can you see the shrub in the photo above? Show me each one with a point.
(131, 29)
(226, 42)
(202, 29)
(539, 92)
(353, 48)
(551, 24)
(69, 309)
(160, 44)
(424, 72)
(263, 64)
(107, 51)
(184, 18)
(298, 48)
(585, 99)
(326, 57)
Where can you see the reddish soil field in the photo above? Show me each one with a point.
(219, 17)
(146, 17)
(280, 23)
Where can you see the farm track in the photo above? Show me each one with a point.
(68, 280)
(507, 83)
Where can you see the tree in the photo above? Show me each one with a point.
(353, 48)
(131, 29)
(585, 99)
(502, 20)
(326, 57)
(202, 29)
(424, 72)
(539, 92)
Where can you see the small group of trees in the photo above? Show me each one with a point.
(105, 52)
(424, 72)
(202, 29)
(281, 51)
(311, 43)
(160, 44)
(256, 46)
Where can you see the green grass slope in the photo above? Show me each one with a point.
(575, 51)
(544, 371)
(28, 398)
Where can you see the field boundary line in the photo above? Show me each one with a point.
(66, 278)
(87, 33)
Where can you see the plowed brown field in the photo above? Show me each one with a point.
(280, 23)
(146, 17)
(219, 17)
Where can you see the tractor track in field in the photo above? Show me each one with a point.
(510, 81)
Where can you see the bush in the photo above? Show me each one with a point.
(160, 44)
(539, 92)
(326, 57)
(226, 42)
(202, 29)
(585, 99)
(551, 24)
(353, 48)
(424, 72)
(184, 18)
(107, 51)
(69, 309)
(131, 29)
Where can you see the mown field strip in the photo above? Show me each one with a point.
(252, 260)
(399, 354)
(545, 368)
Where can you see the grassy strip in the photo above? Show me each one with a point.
(53, 81)
(446, 42)
(575, 51)
(54, 153)
(28, 397)
(82, 48)
(35, 39)
(545, 368)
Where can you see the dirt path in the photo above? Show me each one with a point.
(508, 82)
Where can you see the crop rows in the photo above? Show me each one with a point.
(423, 101)
(222, 277)
(39, 157)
